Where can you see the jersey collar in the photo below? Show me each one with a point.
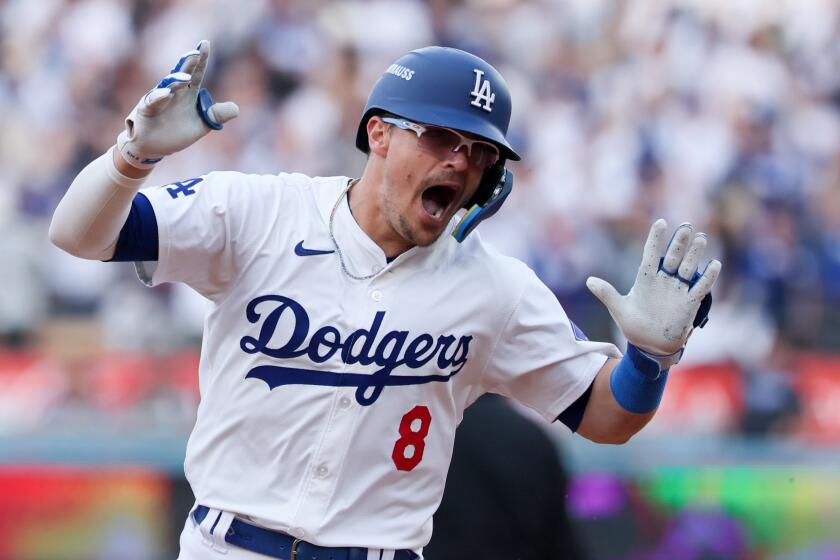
(362, 254)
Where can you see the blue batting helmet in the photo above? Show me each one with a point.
(454, 89)
(445, 87)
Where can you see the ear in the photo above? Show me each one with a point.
(379, 136)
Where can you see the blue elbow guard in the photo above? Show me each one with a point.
(637, 383)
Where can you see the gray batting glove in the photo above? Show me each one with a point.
(174, 114)
(658, 314)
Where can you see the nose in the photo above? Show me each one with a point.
(458, 159)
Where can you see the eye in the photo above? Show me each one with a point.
(485, 153)
(436, 133)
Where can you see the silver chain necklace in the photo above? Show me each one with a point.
(332, 237)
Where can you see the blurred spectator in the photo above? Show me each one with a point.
(771, 405)
(22, 304)
(626, 112)
(72, 385)
(726, 116)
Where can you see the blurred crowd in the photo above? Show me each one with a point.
(725, 114)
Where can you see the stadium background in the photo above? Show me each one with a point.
(723, 113)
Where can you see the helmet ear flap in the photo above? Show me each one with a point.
(495, 186)
(487, 186)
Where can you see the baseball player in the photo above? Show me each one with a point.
(353, 320)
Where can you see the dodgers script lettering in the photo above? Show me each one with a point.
(365, 347)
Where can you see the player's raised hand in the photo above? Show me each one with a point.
(658, 314)
(174, 114)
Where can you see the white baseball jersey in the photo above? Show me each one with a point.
(329, 405)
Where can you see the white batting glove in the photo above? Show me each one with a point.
(658, 314)
(174, 114)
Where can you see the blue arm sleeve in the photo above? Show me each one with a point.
(138, 239)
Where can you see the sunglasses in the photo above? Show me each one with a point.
(441, 142)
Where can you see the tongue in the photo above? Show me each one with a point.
(432, 206)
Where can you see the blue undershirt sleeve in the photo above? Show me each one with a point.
(573, 415)
(138, 239)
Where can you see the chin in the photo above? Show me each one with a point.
(420, 234)
(428, 240)
(425, 238)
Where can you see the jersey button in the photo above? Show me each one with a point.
(376, 295)
(344, 402)
(322, 471)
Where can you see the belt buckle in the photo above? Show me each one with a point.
(294, 549)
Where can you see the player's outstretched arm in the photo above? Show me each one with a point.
(173, 115)
(667, 301)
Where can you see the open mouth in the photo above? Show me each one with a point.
(437, 199)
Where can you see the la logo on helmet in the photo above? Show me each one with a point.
(481, 92)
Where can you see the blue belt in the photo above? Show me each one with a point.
(283, 546)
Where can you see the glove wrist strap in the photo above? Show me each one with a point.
(665, 361)
(130, 155)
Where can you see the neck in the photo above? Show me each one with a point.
(366, 207)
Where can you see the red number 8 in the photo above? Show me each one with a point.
(411, 438)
